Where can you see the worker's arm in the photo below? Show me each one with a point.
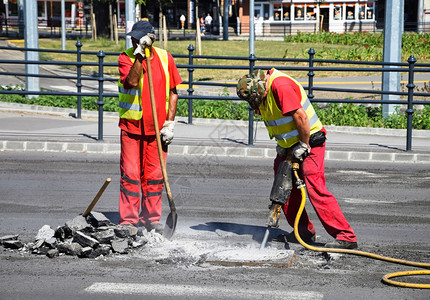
(301, 120)
(133, 77)
(302, 148)
(173, 100)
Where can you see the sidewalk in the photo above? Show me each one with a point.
(46, 129)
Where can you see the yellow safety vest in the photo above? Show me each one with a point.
(281, 127)
(130, 100)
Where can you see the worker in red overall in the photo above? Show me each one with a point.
(141, 184)
(290, 119)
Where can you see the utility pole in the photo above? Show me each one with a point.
(63, 24)
(251, 29)
(393, 29)
(31, 40)
(129, 18)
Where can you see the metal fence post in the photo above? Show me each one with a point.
(100, 102)
(251, 111)
(78, 80)
(411, 60)
(190, 84)
(311, 73)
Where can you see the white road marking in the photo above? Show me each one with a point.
(366, 201)
(368, 174)
(196, 291)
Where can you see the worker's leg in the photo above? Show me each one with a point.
(325, 204)
(306, 228)
(130, 165)
(152, 183)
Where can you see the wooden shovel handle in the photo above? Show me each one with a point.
(96, 198)
(157, 128)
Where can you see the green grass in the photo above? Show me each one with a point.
(327, 46)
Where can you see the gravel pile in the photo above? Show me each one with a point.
(88, 237)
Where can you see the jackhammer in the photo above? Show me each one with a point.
(281, 190)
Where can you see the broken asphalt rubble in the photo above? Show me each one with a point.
(88, 237)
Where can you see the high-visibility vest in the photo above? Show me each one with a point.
(130, 100)
(281, 127)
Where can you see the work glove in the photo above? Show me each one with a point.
(300, 151)
(145, 41)
(167, 132)
(139, 50)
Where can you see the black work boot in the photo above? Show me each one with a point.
(340, 244)
(157, 227)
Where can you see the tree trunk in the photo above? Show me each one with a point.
(102, 21)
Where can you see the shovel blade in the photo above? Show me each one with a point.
(170, 227)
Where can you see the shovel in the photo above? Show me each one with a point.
(172, 218)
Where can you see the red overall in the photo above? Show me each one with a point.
(287, 95)
(324, 203)
(141, 184)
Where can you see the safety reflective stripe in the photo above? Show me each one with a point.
(279, 121)
(152, 194)
(129, 193)
(132, 92)
(155, 182)
(286, 136)
(130, 106)
(286, 120)
(281, 127)
(131, 181)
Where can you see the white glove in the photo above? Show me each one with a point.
(147, 40)
(167, 132)
(139, 50)
(301, 151)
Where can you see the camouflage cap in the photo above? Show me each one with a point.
(252, 87)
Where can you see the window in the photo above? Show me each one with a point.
(350, 12)
(277, 12)
(361, 11)
(298, 14)
(266, 8)
(286, 12)
(369, 14)
(310, 12)
(337, 13)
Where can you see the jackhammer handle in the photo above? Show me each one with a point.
(96, 198)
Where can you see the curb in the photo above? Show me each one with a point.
(85, 114)
(209, 151)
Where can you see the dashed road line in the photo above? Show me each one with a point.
(196, 292)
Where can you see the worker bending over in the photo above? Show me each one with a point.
(290, 119)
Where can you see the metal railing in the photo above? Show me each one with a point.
(411, 68)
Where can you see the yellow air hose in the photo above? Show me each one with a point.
(386, 278)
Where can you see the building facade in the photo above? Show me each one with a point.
(271, 17)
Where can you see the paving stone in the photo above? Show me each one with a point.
(103, 249)
(125, 231)
(98, 219)
(79, 223)
(45, 233)
(86, 252)
(53, 253)
(104, 236)
(70, 249)
(120, 246)
(13, 244)
(63, 232)
(10, 237)
(85, 240)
